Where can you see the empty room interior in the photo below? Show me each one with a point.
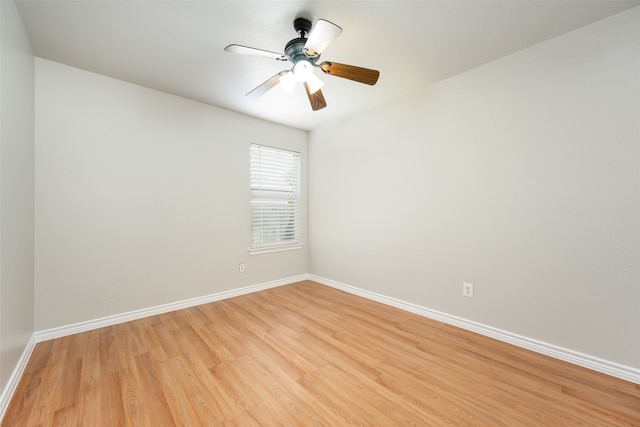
(313, 213)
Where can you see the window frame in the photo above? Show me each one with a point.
(275, 200)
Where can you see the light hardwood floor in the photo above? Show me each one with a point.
(306, 355)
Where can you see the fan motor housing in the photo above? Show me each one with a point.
(295, 48)
(296, 52)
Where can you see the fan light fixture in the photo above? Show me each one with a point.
(288, 80)
(302, 72)
(304, 52)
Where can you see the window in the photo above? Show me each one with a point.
(275, 199)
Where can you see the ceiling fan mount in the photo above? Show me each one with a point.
(304, 52)
(302, 26)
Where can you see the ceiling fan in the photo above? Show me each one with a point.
(304, 52)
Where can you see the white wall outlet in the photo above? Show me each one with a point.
(467, 290)
(242, 267)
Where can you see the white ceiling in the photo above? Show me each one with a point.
(177, 46)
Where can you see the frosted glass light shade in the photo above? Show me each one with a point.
(288, 81)
(314, 83)
(303, 70)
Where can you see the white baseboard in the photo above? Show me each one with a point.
(89, 325)
(12, 384)
(604, 366)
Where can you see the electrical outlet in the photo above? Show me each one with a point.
(467, 290)
(242, 267)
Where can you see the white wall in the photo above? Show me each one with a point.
(142, 198)
(521, 176)
(16, 195)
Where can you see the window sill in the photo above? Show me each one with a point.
(275, 249)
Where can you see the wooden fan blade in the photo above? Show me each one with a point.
(266, 86)
(245, 50)
(358, 74)
(316, 99)
(321, 36)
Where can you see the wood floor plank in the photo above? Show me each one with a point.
(306, 355)
(154, 406)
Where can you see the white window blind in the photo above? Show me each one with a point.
(275, 198)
